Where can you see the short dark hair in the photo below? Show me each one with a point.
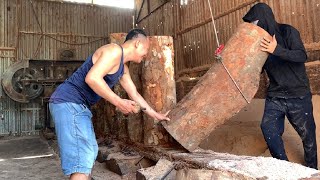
(133, 33)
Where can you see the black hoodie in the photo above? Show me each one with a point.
(285, 67)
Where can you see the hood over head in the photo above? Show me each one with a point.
(264, 14)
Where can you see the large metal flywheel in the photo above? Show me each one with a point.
(18, 82)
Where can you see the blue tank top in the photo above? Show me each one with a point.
(76, 90)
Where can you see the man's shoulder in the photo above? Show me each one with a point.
(110, 47)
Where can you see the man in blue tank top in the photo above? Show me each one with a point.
(69, 104)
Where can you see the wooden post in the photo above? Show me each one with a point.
(158, 86)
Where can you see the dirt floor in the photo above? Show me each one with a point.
(33, 158)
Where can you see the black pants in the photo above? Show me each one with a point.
(299, 112)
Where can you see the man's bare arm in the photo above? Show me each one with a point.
(106, 62)
(128, 85)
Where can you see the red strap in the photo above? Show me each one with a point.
(219, 50)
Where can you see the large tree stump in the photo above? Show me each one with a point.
(129, 126)
(216, 97)
(135, 121)
(119, 119)
(158, 86)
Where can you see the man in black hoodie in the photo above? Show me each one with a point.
(289, 91)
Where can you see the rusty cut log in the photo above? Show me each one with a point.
(128, 126)
(104, 113)
(119, 120)
(216, 98)
(135, 121)
(117, 38)
(158, 85)
(133, 126)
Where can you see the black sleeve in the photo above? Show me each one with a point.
(295, 51)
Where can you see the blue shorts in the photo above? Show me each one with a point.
(76, 137)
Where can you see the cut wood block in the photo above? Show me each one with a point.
(121, 164)
(162, 170)
(227, 87)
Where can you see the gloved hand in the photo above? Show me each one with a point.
(218, 51)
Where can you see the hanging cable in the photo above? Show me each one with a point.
(220, 58)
